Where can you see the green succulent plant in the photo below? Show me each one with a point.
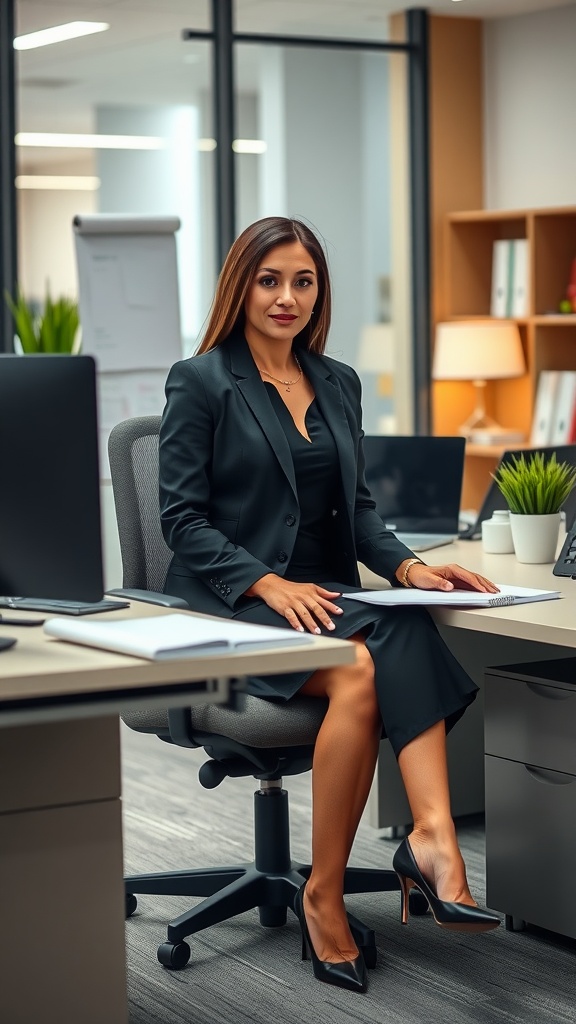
(535, 485)
(54, 329)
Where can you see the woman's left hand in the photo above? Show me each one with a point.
(447, 577)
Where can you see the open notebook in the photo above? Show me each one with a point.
(161, 637)
(458, 598)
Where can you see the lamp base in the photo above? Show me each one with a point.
(495, 435)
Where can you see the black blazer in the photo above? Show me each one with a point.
(228, 496)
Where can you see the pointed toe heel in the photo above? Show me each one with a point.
(349, 974)
(454, 916)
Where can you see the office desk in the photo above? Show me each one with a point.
(479, 637)
(62, 953)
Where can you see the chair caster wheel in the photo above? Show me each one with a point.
(272, 917)
(417, 904)
(174, 955)
(370, 955)
(131, 904)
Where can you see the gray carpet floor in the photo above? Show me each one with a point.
(240, 972)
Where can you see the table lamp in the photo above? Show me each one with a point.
(478, 351)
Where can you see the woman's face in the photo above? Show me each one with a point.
(281, 297)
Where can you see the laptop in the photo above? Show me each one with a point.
(416, 483)
(495, 499)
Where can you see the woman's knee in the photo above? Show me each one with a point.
(355, 684)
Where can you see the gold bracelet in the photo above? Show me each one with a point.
(411, 561)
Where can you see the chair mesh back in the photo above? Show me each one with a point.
(133, 452)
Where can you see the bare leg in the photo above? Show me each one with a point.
(424, 771)
(344, 761)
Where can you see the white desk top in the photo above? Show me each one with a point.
(551, 622)
(45, 677)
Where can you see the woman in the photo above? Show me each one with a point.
(265, 507)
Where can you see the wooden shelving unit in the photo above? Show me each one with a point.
(548, 337)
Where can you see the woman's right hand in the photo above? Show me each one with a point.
(303, 605)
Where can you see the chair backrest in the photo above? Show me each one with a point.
(133, 453)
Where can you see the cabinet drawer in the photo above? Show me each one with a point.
(531, 844)
(530, 721)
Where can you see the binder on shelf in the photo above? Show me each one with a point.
(520, 277)
(510, 278)
(544, 408)
(565, 404)
(499, 292)
(572, 430)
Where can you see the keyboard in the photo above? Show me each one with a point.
(424, 541)
(40, 604)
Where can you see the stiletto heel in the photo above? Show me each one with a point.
(456, 916)
(350, 974)
(404, 896)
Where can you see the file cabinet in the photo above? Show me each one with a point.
(530, 773)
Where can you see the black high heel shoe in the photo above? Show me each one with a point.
(456, 916)
(350, 974)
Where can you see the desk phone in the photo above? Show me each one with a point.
(566, 563)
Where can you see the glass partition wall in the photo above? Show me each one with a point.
(121, 121)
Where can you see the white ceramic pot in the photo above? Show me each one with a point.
(535, 537)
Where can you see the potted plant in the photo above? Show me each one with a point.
(535, 488)
(55, 329)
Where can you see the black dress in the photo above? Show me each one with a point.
(418, 680)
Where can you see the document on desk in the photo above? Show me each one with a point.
(455, 598)
(164, 637)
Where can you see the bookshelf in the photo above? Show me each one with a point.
(548, 337)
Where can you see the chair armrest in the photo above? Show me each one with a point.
(150, 597)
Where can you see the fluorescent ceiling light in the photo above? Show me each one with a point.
(239, 145)
(61, 140)
(59, 182)
(249, 146)
(67, 140)
(59, 34)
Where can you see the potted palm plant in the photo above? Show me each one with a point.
(55, 329)
(535, 488)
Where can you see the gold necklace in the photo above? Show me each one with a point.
(287, 383)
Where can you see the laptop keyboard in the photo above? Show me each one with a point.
(424, 541)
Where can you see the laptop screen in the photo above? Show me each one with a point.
(416, 482)
(495, 499)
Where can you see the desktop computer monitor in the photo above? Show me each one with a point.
(50, 539)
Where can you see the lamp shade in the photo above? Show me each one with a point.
(477, 350)
(376, 351)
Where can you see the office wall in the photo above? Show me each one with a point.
(530, 85)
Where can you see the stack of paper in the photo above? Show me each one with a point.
(457, 598)
(160, 637)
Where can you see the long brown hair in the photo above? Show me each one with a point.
(238, 272)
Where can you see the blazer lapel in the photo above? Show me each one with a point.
(253, 391)
(329, 397)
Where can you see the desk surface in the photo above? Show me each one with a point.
(550, 622)
(43, 677)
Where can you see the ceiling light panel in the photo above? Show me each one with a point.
(59, 34)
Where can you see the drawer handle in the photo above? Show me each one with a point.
(549, 692)
(549, 777)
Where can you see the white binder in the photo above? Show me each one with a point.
(562, 418)
(544, 408)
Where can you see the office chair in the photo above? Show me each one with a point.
(257, 737)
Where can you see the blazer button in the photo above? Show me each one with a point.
(282, 556)
(290, 520)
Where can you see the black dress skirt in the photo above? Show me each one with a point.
(418, 680)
